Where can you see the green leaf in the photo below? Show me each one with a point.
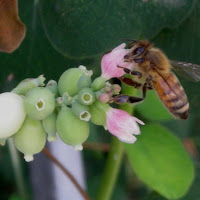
(152, 108)
(159, 160)
(81, 29)
(36, 55)
(194, 192)
(155, 196)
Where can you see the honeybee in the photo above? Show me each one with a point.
(153, 71)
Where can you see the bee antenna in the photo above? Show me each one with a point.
(132, 42)
(126, 39)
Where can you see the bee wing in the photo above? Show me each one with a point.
(187, 70)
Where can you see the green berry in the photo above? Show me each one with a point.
(84, 81)
(53, 87)
(98, 116)
(86, 96)
(70, 128)
(12, 114)
(49, 125)
(68, 81)
(30, 139)
(98, 83)
(24, 86)
(81, 111)
(39, 103)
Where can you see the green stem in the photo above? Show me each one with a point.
(111, 170)
(17, 169)
(115, 156)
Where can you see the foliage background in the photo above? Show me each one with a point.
(64, 34)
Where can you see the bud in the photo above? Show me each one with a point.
(30, 139)
(12, 114)
(98, 116)
(86, 96)
(67, 100)
(104, 97)
(39, 103)
(81, 111)
(108, 87)
(70, 128)
(49, 125)
(98, 83)
(68, 81)
(53, 87)
(24, 86)
(116, 88)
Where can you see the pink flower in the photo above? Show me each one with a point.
(122, 125)
(113, 59)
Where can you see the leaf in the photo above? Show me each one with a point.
(12, 30)
(155, 196)
(159, 160)
(80, 29)
(36, 55)
(152, 108)
(194, 192)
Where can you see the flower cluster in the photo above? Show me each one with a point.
(34, 109)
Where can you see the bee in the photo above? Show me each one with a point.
(153, 71)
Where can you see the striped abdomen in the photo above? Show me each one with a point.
(172, 95)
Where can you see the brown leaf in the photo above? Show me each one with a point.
(12, 30)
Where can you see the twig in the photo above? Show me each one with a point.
(66, 172)
(96, 146)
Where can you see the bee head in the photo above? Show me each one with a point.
(137, 51)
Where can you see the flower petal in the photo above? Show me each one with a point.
(111, 61)
(121, 46)
(139, 121)
(127, 138)
(122, 125)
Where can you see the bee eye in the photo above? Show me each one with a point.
(138, 50)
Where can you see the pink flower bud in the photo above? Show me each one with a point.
(104, 97)
(122, 125)
(113, 59)
(116, 88)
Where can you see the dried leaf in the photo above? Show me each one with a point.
(12, 30)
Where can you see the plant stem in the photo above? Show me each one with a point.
(111, 170)
(17, 170)
(115, 156)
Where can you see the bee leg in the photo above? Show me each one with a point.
(130, 82)
(121, 99)
(149, 86)
(133, 73)
(149, 83)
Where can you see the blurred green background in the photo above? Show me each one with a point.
(65, 33)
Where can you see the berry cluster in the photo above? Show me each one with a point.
(65, 108)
